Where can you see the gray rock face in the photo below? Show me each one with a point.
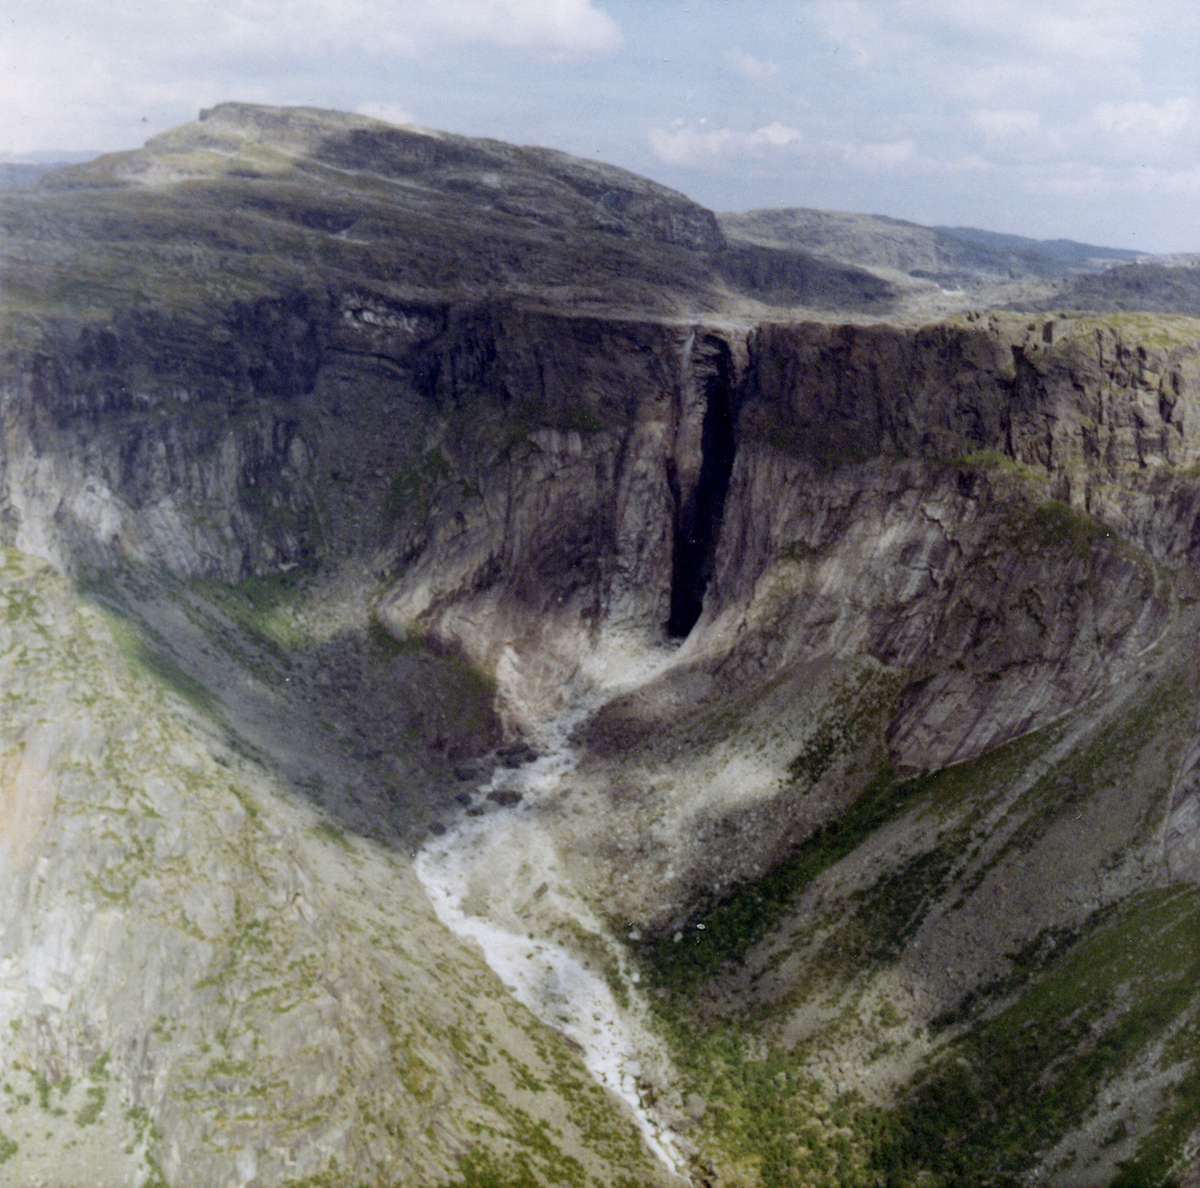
(928, 498)
(1181, 835)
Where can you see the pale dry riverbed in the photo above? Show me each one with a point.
(496, 877)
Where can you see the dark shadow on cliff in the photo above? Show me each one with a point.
(788, 277)
(698, 515)
(379, 736)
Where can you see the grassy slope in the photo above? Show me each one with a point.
(227, 964)
(832, 1050)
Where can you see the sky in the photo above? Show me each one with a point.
(1049, 118)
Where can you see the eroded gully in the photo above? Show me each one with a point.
(499, 866)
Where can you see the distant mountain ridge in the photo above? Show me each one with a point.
(821, 260)
(973, 267)
(23, 169)
(22, 173)
(1068, 251)
(949, 255)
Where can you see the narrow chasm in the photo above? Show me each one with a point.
(699, 512)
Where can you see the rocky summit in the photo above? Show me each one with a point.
(513, 679)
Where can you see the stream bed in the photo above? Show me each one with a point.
(499, 856)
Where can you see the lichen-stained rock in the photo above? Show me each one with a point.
(203, 980)
(1181, 833)
(1087, 399)
(1005, 609)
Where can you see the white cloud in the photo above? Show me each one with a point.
(566, 26)
(755, 70)
(688, 144)
(984, 54)
(70, 69)
(391, 113)
(412, 26)
(863, 31)
(1002, 124)
(1069, 29)
(879, 156)
(777, 135)
(1140, 120)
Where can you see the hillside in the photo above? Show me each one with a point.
(513, 680)
(943, 270)
(951, 255)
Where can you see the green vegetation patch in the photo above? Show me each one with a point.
(887, 914)
(160, 666)
(481, 1168)
(262, 607)
(1155, 331)
(1021, 1080)
(416, 485)
(142, 647)
(745, 916)
(766, 1121)
(993, 460)
(93, 1108)
(1056, 526)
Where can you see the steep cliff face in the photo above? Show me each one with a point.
(861, 661)
(924, 498)
(991, 511)
(951, 476)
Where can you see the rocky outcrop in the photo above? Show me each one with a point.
(957, 469)
(1181, 834)
(786, 276)
(586, 498)
(922, 498)
(557, 189)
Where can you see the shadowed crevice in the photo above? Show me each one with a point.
(699, 512)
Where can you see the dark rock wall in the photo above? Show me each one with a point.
(981, 505)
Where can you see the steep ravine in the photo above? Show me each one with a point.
(880, 597)
(894, 573)
(497, 877)
(460, 551)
